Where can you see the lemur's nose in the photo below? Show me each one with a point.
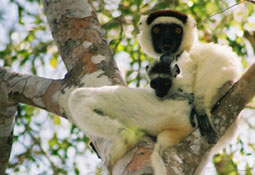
(167, 47)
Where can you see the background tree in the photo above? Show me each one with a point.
(27, 47)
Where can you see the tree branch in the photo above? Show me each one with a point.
(234, 101)
(7, 111)
(28, 89)
(6, 137)
(16, 88)
(250, 36)
(85, 53)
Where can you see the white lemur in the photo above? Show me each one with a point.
(123, 115)
(206, 70)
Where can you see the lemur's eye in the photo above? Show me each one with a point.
(156, 30)
(178, 30)
(166, 84)
(153, 84)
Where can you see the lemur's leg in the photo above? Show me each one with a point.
(87, 111)
(165, 139)
(119, 146)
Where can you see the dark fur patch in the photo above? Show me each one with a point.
(206, 128)
(171, 13)
(161, 86)
(161, 68)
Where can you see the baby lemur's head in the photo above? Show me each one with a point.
(161, 75)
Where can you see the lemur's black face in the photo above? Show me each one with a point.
(161, 86)
(166, 38)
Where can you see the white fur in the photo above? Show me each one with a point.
(205, 69)
(185, 78)
(215, 65)
(145, 39)
(123, 114)
(128, 113)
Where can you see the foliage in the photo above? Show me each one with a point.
(27, 45)
(224, 164)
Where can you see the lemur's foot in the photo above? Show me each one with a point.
(127, 139)
(206, 129)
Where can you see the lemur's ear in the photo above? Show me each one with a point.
(147, 67)
(176, 70)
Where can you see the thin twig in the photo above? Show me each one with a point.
(251, 1)
(222, 11)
